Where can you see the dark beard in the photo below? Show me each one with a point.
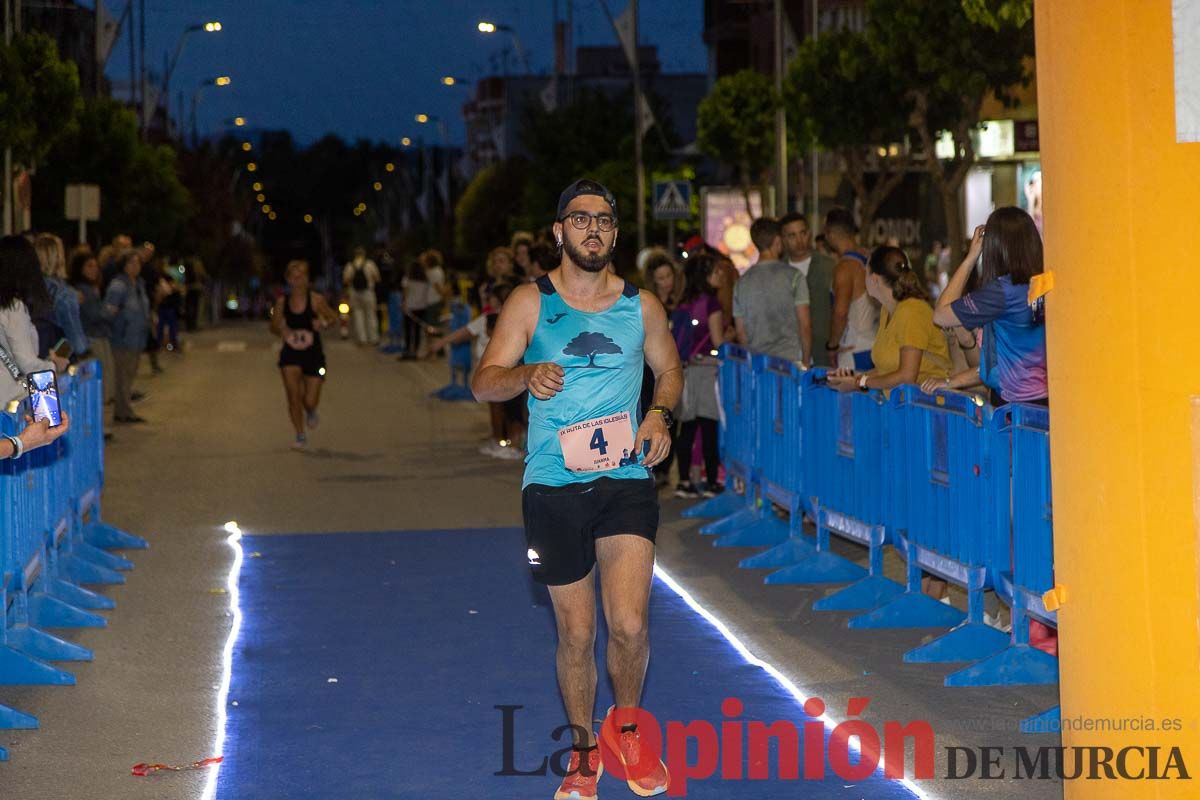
(587, 261)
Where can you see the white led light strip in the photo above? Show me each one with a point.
(231, 584)
(769, 668)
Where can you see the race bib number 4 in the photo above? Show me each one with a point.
(599, 444)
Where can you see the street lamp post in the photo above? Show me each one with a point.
(207, 27)
(493, 27)
(220, 80)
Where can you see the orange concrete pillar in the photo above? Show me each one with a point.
(1122, 231)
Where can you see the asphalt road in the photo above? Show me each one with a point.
(386, 457)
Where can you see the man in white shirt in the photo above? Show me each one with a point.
(817, 269)
(359, 278)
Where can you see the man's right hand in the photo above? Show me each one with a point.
(544, 380)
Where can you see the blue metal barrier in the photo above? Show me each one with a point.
(732, 358)
(738, 440)
(844, 464)
(88, 426)
(781, 478)
(47, 495)
(957, 459)
(775, 406)
(1022, 578)
(961, 490)
(459, 359)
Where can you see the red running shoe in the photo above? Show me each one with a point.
(645, 779)
(580, 781)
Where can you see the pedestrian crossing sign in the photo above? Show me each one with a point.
(672, 200)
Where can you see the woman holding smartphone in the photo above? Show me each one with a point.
(22, 291)
(298, 318)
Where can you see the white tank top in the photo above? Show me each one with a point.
(862, 321)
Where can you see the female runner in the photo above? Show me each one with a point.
(298, 318)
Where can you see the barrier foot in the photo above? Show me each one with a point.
(871, 592)
(17, 720)
(98, 534)
(1016, 665)
(3, 754)
(46, 646)
(970, 641)
(18, 669)
(80, 570)
(454, 392)
(78, 596)
(46, 611)
(790, 552)
(1049, 721)
(768, 531)
(910, 610)
(99, 557)
(722, 505)
(821, 567)
(736, 520)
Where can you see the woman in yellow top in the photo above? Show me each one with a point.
(908, 348)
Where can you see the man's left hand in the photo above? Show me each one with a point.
(653, 430)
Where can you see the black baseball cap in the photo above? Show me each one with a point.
(581, 187)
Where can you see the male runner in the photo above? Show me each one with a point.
(576, 340)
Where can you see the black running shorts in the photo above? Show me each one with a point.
(562, 523)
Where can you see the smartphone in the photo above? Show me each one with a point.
(63, 349)
(43, 397)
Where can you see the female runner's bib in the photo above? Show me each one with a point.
(587, 430)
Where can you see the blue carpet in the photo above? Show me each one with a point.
(426, 632)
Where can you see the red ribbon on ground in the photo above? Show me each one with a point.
(142, 770)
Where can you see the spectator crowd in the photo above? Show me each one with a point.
(867, 316)
(59, 308)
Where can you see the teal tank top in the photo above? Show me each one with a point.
(601, 356)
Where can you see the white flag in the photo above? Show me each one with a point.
(647, 117)
(149, 102)
(623, 25)
(549, 95)
(107, 31)
(498, 141)
(790, 45)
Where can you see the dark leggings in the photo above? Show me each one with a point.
(413, 332)
(683, 448)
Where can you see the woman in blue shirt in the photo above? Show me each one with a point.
(129, 308)
(1011, 327)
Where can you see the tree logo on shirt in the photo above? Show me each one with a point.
(589, 345)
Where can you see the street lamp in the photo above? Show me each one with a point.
(239, 122)
(220, 80)
(207, 27)
(492, 27)
(406, 142)
(424, 119)
(450, 80)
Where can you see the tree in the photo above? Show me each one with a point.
(567, 148)
(735, 124)
(139, 185)
(838, 92)
(947, 78)
(995, 13)
(39, 96)
(485, 210)
(590, 344)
